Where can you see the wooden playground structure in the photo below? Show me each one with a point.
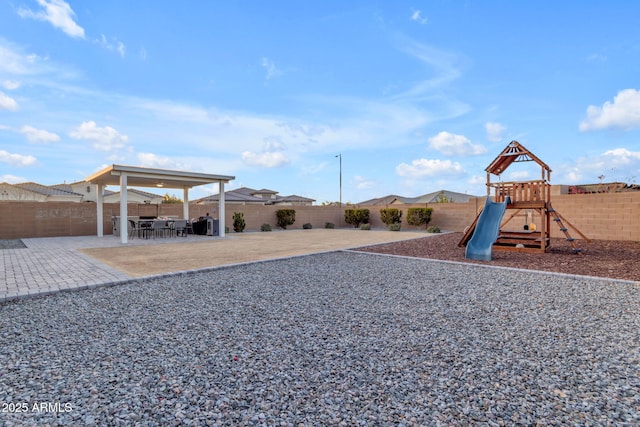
(532, 196)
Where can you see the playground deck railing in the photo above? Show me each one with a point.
(526, 191)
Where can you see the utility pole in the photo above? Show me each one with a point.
(340, 156)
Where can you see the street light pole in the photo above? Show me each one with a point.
(340, 156)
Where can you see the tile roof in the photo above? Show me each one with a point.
(433, 197)
(47, 190)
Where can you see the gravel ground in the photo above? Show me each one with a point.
(601, 258)
(341, 338)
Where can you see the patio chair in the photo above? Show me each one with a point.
(180, 227)
(159, 227)
(133, 229)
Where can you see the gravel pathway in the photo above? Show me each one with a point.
(340, 338)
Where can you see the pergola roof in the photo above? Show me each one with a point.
(514, 152)
(159, 178)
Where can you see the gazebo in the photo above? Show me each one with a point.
(157, 178)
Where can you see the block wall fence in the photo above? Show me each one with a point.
(605, 216)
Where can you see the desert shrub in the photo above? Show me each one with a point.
(307, 226)
(391, 216)
(356, 217)
(419, 216)
(365, 226)
(238, 222)
(395, 226)
(329, 225)
(285, 217)
(433, 229)
(265, 227)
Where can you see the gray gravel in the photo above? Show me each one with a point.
(340, 338)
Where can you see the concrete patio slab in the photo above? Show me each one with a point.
(140, 261)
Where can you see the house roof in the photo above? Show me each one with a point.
(242, 194)
(135, 191)
(294, 198)
(246, 194)
(385, 200)
(47, 190)
(433, 197)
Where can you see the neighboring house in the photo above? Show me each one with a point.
(33, 192)
(442, 196)
(603, 187)
(133, 196)
(249, 196)
(75, 192)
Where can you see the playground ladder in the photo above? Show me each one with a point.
(558, 219)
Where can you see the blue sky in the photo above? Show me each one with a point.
(416, 96)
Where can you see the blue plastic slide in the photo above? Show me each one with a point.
(486, 232)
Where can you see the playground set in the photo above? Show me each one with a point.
(487, 231)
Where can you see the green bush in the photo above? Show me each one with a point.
(238, 222)
(329, 225)
(391, 216)
(433, 229)
(356, 217)
(395, 226)
(365, 226)
(285, 217)
(307, 226)
(419, 216)
(265, 227)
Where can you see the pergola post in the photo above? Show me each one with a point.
(100, 209)
(221, 209)
(185, 203)
(123, 209)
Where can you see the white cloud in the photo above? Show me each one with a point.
(38, 135)
(455, 145)
(115, 45)
(622, 156)
(12, 179)
(416, 15)
(623, 113)
(104, 139)
(445, 68)
(619, 164)
(10, 84)
(423, 168)
(270, 67)
(58, 13)
(596, 57)
(7, 103)
(518, 175)
(495, 131)
(151, 160)
(362, 183)
(17, 159)
(266, 160)
(477, 180)
(13, 60)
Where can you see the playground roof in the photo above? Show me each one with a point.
(514, 152)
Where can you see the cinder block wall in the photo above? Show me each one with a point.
(606, 216)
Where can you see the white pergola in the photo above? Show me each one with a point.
(157, 178)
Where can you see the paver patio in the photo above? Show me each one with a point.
(49, 265)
